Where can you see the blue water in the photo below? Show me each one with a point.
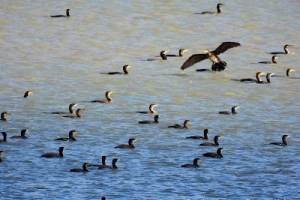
(64, 60)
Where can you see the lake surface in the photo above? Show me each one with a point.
(64, 60)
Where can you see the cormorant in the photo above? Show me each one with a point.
(70, 138)
(163, 55)
(108, 98)
(150, 122)
(233, 111)
(269, 62)
(84, 168)
(205, 137)
(22, 136)
(78, 111)
(125, 67)
(215, 155)
(151, 109)
(4, 137)
(114, 165)
(218, 9)
(288, 71)
(195, 163)
(27, 93)
(127, 146)
(103, 165)
(67, 14)
(216, 143)
(218, 64)
(55, 155)
(178, 126)
(71, 111)
(3, 116)
(258, 74)
(180, 54)
(267, 77)
(286, 51)
(283, 143)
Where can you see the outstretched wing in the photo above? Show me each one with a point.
(225, 46)
(192, 60)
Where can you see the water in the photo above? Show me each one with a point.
(63, 61)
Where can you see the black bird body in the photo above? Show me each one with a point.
(178, 126)
(78, 111)
(125, 71)
(55, 155)
(70, 138)
(163, 55)
(258, 74)
(232, 112)
(84, 168)
(194, 165)
(268, 79)
(285, 48)
(216, 142)
(22, 136)
(151, 110)
(218, 10)
(127, 146)
(204, 137)
(71, 111)
(103, 165)
(270, 62)
(156, 117)
(283, 143)
(67, 14)
(218, 64)
(107, 100)
(114, 164)
(214, 155)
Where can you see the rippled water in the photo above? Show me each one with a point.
(64, 60)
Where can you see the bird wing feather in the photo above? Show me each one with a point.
(193, 60)
(225, 46)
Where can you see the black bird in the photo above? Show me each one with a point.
(267, 77)
(288, 71)
(71, 111)
(3, 116)
(103, 165)
(286, 51)
(283, 143)
(163, 55)
(78, 111)
(114, 165)
(218, 64)
(270, 62)
(218, 10)
(216, 142)
(258, 74)
(232, 112)
(127, 146)
(215, 155)
(4, 137)
(108, 98)
(180, 54)
(125, 71)
(150, 122)
(151, 109)
(70, 138)
(205, 137)
(22, 136)
(178, 126)
(84, 168)
(67, 14)
(27, 93)
(195, 163)
(55, 155)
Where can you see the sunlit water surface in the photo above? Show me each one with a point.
(64, 60)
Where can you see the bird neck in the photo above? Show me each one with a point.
(216, 141)
(218, 9)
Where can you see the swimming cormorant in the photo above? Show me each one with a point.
(22, 136)
(215, 155)
(267, 77)
(283, 143)
(84, 168)
(258, 74)
(233, 111)
(195, 163)
(103, 165)
(205, 137)
(163, 55)
(151, 109)
(78, 111)
(125, 67)
(286, 51)
(216, 142)
(67, 14)
(114, 165)
(178, 126)
(127, 146)
(70, 138)
(4, 137)
(218, 9)
(108, 98)
(27, 93)
(218, 64)
(55, 155)
(180, 54)
(150, 122)
(3, 116)
(269, 62)
(288, 71)
(71, 111)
